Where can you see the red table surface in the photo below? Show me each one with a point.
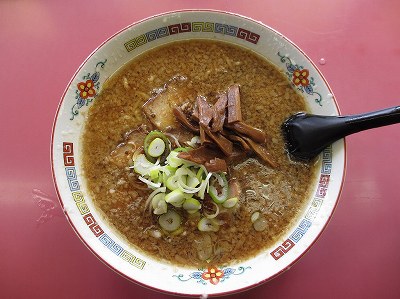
(42, 43)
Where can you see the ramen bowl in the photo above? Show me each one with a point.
(91, 226)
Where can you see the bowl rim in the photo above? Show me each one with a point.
(75, 229)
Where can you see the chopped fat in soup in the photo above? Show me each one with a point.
(183, 153)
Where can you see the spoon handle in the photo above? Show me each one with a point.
(307, 135)
(365, 121)
(322, 130)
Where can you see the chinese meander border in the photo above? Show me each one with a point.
(178, 28)
(311, 213)
(84, 210)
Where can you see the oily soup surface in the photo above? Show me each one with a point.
(267, 99)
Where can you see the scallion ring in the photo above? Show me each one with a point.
(175, 198)
(153, 147)
(230, 203)
(219, 195)
(149, 183)
(215, 214)
(170, 221)
(208, 225)
(191, 205)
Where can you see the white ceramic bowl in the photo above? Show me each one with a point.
(95, 232)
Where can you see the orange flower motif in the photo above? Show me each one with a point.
(301, 77)
(213, 274)
(86, 89)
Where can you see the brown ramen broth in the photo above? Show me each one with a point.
(204, 68)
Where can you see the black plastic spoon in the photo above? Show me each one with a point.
(307, 135)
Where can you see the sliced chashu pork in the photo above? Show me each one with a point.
(159, 108)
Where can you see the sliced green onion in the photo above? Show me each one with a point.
(158, 203)
(221, 179)
(185, 171)
(160, 178)
(230, 203)
(152, 194)
(191, 205)
(172, 182)
(185, 188)
(215, 214)
(192, 182)
(170, 221)
(173, 159)
(208, 225)
(154, 173)
(223, 185)
(166, 172)
(175, 198)
(199, 174)
(186, 181)
(259, 221)
(142, 165)
(149, 183)
(255, 216)
(177, 231)
(187, 195)
(156, 199)
(202, 173)
(152, 150)
(203, 186)
(260, 224)
(156, 147)
(137, 152)
(202, 190)
(169, 170)
(161, 208)
(193, 212)
(181, 149)
(157, 163)
(155, 192)
(184, 176)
